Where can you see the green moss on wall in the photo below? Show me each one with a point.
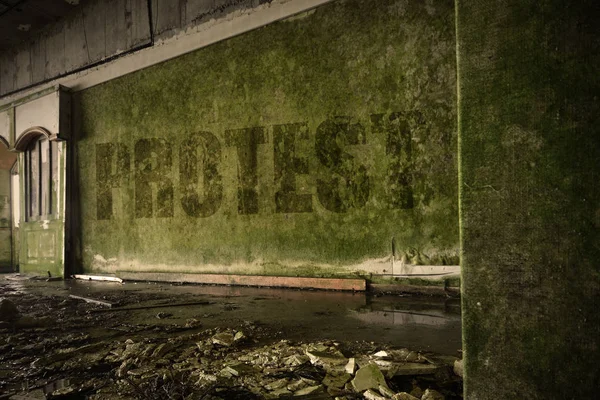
(311, 141)
(530, 150)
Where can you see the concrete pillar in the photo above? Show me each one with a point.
(529, 117)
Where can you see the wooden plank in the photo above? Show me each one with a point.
(98, 278)
(116, 27)
(166, 15)
(23, 67)
(76, 52)
(93, 301)
(55, 51)
(138, 25)
(7, 71)
(251, 280)
(38, 59)
(94, 24)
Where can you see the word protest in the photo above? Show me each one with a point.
(199, 189)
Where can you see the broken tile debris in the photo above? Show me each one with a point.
(368, 377)
(190, 362)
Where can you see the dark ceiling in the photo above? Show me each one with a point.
(22, 19)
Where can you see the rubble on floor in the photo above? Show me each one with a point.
(45, 355)
(212, 364)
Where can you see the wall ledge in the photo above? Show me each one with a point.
(356, 285)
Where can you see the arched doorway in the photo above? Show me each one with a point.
(41, 206)
(8, 260)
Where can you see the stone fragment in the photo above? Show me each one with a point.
(385, 391)
(297, 385)
(373, 395)
(404, 396)
(162, 349)
(439, 359)
(351, 366)
(309, 382)
(124, 367)
(362, 360)
(8, 310)
(242, 369)
(384, 364)
(65, 392)
(308, 390)
(321, 357)
(368, 377)
(192, 323)
(330, 359)
(131, 350)
(317, 347)
(278, 384)
(458, 368)
(204, 377)
(239, 336)
(431, 394)
(336, 380)
(138, 372)
(223, 339)
(228, 372)
(381, 354)
(295, 360)
(413, 369)
(399, 354)
(148, 350)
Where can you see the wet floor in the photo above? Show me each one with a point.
(427, 324)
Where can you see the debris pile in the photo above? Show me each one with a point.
(224, 365)
(79, 352)
(227, 364)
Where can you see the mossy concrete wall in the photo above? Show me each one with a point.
(529, 197)
(318, 145)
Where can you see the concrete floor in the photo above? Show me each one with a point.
(420, 323)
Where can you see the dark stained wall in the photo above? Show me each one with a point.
(530, 199)
(305, 147)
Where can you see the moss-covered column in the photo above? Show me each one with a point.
(529, 197)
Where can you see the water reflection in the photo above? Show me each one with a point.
(420, 323)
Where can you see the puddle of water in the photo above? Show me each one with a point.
(427, 324)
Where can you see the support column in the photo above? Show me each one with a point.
(529, 117)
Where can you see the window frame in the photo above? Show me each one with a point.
(44, 207)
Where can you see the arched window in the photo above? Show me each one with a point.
(40, 177)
